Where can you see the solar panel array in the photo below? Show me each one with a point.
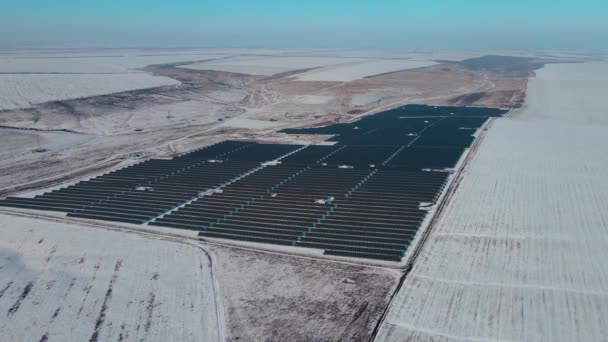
(365, 196)
(154, 198)
(361, 156)
(219, 203)
(140, 192)
(284, 215)
(379, 218)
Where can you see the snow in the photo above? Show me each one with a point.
(24, 142)
(120, 63)
(129, 62)
(26, 90)
(160, 115)
(30, 78)
(268, 66)
(232, 96)
(347, 73)
(332, 69)
(365, 99)
(578, 99)
(249, 123)
(519, 252)
(313, 99)
(64, 282)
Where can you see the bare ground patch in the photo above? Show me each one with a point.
(270, 297)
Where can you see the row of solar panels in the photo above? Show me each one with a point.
(286, 213)
(413, 158)
(136, 185)
(356, 212)
(245, 210)
(403, 125)
(147, 202)
(216, 204)
(275, 204)
(187, 169)
(379, 218)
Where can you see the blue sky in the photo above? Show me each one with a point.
(411, 24)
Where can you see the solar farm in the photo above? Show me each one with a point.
(363, 194)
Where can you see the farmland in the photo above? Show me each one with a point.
(269, 66)
(63, 282)
(27, 90)
(518, 252)
(346, 73)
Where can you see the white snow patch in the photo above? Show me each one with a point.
(313, 99)
(70, 283)
(249, 123)
(180, 113)
(24, 142)
(365, 99)
(268, 66)
(99, 64)
(232, 96)
(353, 72)
(26, 90)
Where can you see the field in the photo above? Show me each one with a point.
(347, 73)
(270, 66)
(279, 297)
(129, 286)
(518, 252)
(97, 62)
(63, 282)
(28, 79)
(27, 90)
(324, 69)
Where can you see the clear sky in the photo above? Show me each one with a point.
(476, 24)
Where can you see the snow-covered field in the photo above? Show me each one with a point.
(268, 66)
(347, 73)
(26, 90)
(63, 282)
(111, 63)
(249, 123)
(33, 77)
(23, 142)
(200, 112)
(330, 69)
(519, 252)
(579, 97)
(364, 99)
(313, 99)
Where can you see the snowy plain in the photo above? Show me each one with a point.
(268, 66)
(328, 69)
(27, 90)
(347, 73)
(117, 62)
(30, 78)
(249, 123)
(65, 282)
(519, 252)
